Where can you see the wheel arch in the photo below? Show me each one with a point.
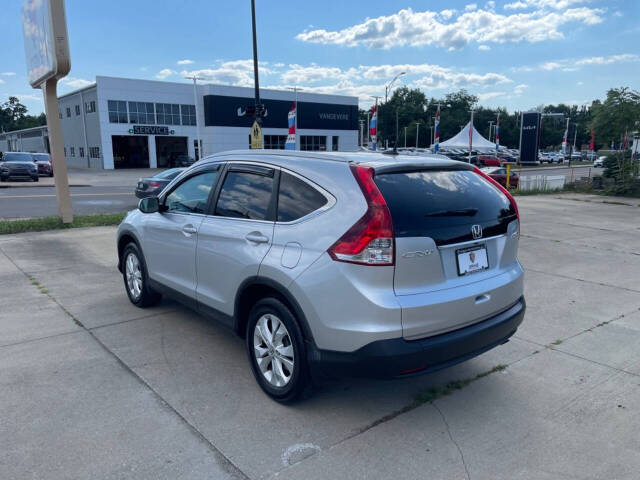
(256, 288)
(125, 238)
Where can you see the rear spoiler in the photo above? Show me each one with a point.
(422, 167)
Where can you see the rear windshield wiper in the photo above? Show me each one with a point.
(466, 212)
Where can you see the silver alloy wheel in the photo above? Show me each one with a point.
(134, 275)
(273, 350)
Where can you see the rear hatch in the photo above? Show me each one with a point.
(456, 246)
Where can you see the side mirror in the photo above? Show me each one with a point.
(149, 205)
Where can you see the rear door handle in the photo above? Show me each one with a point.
(189, 229)
(257, 237)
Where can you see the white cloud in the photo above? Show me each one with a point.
(8, 74)
(75, 82)
(407, 27)
(484, 48)
(471, 7)
(540, 4)
(234, 72)
(448, 13)
(165, 73)
(519, 89)
(580, 83)
(1, 81)
(26, 96)
(186, 61)
(572, 64)
(490, 95)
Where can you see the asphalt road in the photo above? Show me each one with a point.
(26, 202)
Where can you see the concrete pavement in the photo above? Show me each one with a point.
(93, 387)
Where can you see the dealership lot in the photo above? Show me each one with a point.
(95, 388)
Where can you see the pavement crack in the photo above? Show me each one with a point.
(464, 463)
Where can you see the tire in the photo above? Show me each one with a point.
(36, 179)
(136, 280)
(289, 348)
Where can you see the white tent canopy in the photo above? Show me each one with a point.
(461, 140)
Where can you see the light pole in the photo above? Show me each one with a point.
(405, 137)
(361, 133)
(490, 128)
(387, 88)
(195, 100)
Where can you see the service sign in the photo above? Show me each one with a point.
(45, 40)
(256, 136)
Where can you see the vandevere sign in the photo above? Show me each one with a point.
(46, 43)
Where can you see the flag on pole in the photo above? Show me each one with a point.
(592, 142)
(498, 133)
(291, 138)
(436, 142)
(373, 126)
(564, 139)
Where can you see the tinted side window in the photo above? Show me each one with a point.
(245, 195)
(297, 198)
(192, 194)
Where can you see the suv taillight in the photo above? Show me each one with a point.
(503, 190)
(370, 241)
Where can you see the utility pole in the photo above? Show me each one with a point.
(490, 128)
(361, 133)
(395, 145)
(195, 101)
(417, 132)
(259, 108)
(405, 137)
(368, 129)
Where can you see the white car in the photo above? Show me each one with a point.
(599, 162)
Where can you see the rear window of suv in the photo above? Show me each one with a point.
(440, 204)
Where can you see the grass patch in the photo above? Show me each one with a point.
(54, 223)
(435, 393)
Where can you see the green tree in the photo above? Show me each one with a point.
(14, 116)
(616, 115)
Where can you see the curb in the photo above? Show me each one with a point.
(40, 186)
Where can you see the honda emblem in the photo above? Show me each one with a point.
(476, 231)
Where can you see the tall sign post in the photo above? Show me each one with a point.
(46, 46)
(529, 137)
(256, 129)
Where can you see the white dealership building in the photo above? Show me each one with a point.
(127, 123)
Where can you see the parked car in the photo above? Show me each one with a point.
(18, 165)
(152, 186)
(333, 263)
(43, 161)
(180, 160)
(489, 161)
(599, 163)
(556, 157)
(499, 174)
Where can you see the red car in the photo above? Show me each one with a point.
(489, 161)
(43, 160)
(499, 174)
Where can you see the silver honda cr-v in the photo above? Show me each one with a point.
(333, 263)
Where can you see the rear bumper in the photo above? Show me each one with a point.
(398, 357)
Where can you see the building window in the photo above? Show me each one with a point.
(94, 152)
(68, 112)
(117, 111)
(81, 152)
(73, 151)
(313, 142)
(188, 114)
(334, 143)
(77, 110)
(65, 151)
(141, 112)
(274, 142)
(90, 107)
(168, 113)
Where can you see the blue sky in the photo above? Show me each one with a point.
(514, 53)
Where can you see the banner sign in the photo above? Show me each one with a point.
(373, 127)
(529, 136)
(291, 138)
(256, 136)
(436, 141)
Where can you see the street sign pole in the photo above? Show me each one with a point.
(256, 129)
(46, 45)
(63, 196)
